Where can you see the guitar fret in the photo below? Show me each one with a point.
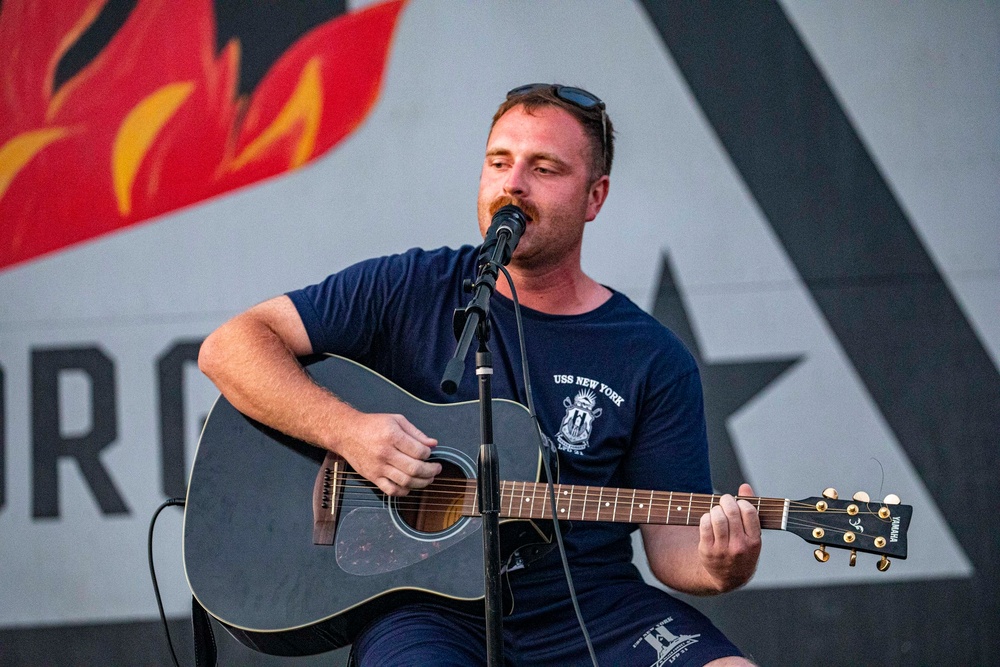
(649, 509)
(690, 499)
(600, 501)
(583, 513)
(569, 505)
(614, 510)
(510, 502)
(631, 507)
(670, 506)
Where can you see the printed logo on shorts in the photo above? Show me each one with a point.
(667, 645)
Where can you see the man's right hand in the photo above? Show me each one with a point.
(390, 451)
(253, 360)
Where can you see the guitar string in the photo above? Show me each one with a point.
(359, 492)
(700, 501)
(460, 510)
(861, 540)
(457, 510)
(465, 485)
(429, 501)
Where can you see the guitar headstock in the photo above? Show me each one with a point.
(857, 524)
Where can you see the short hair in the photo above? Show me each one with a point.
(595, 122)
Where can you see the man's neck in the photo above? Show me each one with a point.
(559, 291)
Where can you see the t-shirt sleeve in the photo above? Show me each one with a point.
(670, 446)
(344, 313)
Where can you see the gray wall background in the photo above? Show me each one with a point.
(806, 192)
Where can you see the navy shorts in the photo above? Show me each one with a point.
(630, 624)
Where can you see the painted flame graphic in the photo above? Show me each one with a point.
(155, 121)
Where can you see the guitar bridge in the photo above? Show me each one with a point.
(326, 499)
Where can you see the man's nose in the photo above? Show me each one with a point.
(516, 181)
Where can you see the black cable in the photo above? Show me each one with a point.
(548, 471)
(152, 572)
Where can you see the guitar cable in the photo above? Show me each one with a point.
(548, 470)
(179, 502)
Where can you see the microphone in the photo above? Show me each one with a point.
(505, 231)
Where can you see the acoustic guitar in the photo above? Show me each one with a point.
(293, 552)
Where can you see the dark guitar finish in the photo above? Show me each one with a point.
(293, 552)
(248, 525)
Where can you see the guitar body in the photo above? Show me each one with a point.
(249, 553)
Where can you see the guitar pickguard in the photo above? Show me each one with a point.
(369, 541)
(377, 534)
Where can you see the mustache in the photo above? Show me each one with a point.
(504, 200)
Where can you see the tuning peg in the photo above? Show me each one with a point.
(821, 555)
(883, 564)
(891, 499)
(830, 493)
(862, 497)
(854, 557)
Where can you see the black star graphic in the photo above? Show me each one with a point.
(727, 386)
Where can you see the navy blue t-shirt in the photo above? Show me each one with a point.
(617, 394)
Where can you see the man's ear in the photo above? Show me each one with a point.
(597, 195)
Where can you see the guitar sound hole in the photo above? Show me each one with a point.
(439, 506)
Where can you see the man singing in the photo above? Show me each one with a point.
(617, 394)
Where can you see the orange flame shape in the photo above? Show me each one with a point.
(155, 121)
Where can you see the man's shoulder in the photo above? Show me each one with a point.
(432, 261)
(441, 253)
(650, 336)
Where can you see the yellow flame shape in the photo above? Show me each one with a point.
(87, 17)
(18, 152)
(137, 133)
(305, 105)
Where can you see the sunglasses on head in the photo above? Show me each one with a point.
(578, 96)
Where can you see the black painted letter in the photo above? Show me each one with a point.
(170, 370)
(49, 445)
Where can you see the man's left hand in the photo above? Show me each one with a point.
(729, 541)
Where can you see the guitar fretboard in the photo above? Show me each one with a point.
(530, 500)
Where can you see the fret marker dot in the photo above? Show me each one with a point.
(562, 510)
(679, 508)
(607, 504)
(527, 500)
(641, 505)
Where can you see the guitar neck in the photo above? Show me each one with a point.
(530, 500)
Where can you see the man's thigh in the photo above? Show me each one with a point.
(422, 635)
(629, 623)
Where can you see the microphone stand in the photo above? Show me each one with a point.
(474, 320)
